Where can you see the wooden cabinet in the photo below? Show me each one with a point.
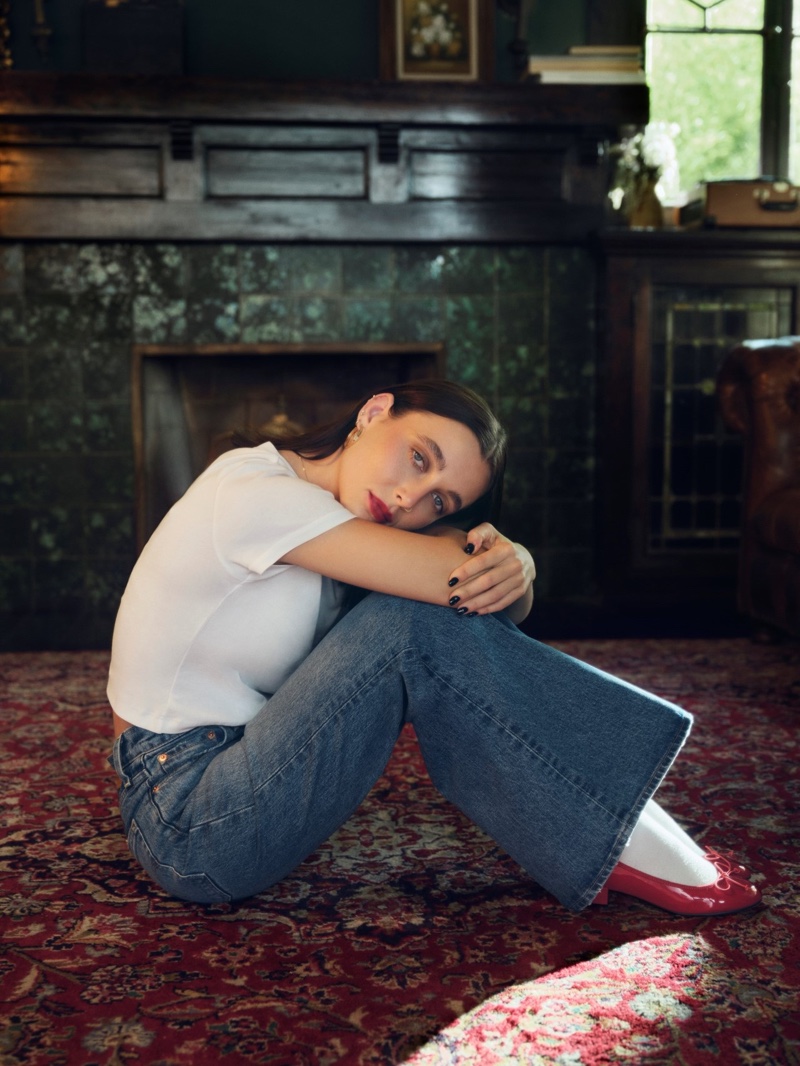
(672, 304)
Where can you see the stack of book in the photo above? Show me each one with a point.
(602, 64)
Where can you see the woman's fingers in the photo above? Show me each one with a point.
(499, 556)
(497, 598)
(492, 588)
(481, 538)
(498, 573)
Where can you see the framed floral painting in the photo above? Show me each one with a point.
(436, 40)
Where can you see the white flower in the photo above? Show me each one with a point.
(658, 146)
(648, 156)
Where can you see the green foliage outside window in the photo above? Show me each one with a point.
(710, 87)
(708, 83)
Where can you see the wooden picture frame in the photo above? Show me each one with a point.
(437, 40)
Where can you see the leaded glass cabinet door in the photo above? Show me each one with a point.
(669, 485)
(695, 466)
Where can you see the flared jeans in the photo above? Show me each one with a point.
(552, 758)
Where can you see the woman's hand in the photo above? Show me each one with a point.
(499, 574)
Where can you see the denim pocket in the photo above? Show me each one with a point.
(175, 767)
(129, 749)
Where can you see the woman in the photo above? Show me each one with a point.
(249, 726)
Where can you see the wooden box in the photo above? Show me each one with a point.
(755, 204)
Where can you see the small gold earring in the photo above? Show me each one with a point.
(355, 434)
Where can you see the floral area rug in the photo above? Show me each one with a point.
(409, 936)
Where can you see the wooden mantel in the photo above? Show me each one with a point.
(90, 157)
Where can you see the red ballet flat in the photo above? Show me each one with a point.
(729, 893)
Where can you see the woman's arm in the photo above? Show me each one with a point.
(427, 568)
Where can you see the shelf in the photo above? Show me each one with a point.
(87, 96)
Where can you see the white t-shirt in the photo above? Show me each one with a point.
(209, 626)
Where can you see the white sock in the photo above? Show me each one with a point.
(668, 822)
(655, 849)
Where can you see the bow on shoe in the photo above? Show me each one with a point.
(726, 863)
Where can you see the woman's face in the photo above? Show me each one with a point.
(410, 470)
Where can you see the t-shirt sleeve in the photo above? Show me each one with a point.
(262, 511)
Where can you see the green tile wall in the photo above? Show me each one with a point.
(517, 322)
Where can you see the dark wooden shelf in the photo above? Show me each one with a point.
(25, 95)
(699, 240)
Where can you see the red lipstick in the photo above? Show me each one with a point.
(379, 511)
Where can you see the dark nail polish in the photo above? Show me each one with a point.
(461, 610)
(472, 614)
(452, 581)
(469, 549)
(454, 600)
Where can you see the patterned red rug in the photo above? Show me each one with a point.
(409, 936)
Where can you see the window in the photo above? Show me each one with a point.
(721, 72)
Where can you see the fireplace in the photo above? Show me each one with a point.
(186, 398)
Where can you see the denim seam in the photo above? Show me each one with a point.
(545, 759)
(134, 829)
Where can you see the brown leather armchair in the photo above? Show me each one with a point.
(759, 395)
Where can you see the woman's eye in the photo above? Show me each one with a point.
(438, 503)
(419, 458)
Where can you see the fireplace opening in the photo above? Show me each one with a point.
(185, 398)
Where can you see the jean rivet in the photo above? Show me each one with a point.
(156, 788)
(163, 757)
(212, 735)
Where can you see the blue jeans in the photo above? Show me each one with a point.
(552, 758)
